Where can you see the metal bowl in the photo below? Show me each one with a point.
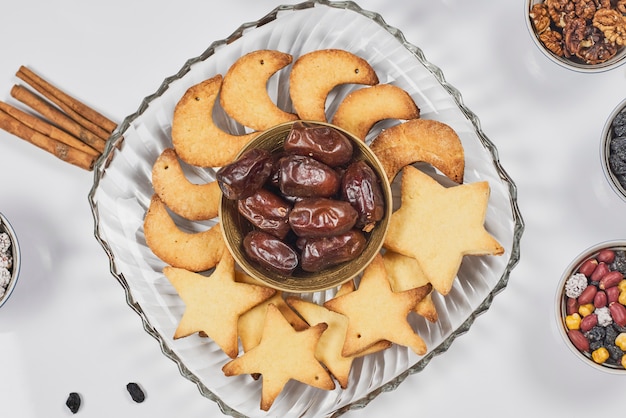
(608, 135)
(572, 63)
(614, 367)
(11, 260)
(235, 226)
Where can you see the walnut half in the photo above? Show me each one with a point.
(553, 41)
(539, 17)
(613, 24)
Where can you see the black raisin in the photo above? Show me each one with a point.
(619, 263)
(619, 123)
(594, 345)
(615, 353)
(73, 402)
(135, 392)
(611, 335)
(618, 164)
(619, 329)
(619, 130)
(617, 144)
(596, 333)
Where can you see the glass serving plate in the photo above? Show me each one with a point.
(122, 189)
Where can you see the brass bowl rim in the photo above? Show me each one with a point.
(314, 282)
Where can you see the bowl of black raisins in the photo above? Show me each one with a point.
(9, 259)
(613, 149)
(305, 206)
(591, 306)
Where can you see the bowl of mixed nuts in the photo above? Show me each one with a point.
(305, 206)
(591, 306)
(9, 259)
(613, 149)
(581, 35)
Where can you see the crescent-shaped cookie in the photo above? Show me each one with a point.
(422, 140)
(195, 136)
(195, 252)
(316, 73)
(362, 108)
(195, 202)
(244, 96)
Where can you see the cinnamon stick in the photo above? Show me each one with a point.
(56, 117)
(60, 150)
(72, 106)
(95, 129)
(47, 129)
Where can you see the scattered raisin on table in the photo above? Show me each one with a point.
(136, 392)
(73, 402)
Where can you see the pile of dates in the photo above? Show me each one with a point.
(311, 204)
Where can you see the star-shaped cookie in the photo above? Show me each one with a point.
(438, 226)
(405, 273)
(375, 312)
(282, 354)
(330, 346)
(250, 324)
(214, 303)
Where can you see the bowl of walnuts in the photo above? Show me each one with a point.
(581, 35)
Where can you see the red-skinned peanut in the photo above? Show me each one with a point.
(588, 267)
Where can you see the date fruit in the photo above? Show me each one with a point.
(270, 252)
(324, 252)
(323, 143)
(267, 211)
(302, 176)
(246, 175)
(321, 217)
(361, 187)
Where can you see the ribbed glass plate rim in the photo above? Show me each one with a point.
(117, 137)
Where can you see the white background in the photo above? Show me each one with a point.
(67, 326)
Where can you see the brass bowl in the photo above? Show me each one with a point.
(235, 226)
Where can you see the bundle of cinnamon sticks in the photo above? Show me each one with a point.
(61, 124)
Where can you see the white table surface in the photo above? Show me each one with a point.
(67, 326)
